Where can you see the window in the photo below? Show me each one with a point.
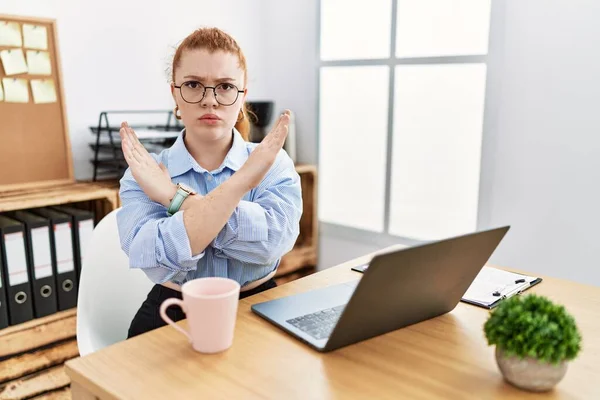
(401, 102)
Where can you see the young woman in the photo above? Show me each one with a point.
(212, 204)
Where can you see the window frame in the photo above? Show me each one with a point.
(392, 61)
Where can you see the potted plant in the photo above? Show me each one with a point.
(534, 339)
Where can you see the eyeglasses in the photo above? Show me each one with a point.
(193, 92)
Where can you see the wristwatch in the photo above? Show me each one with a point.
(183, 191)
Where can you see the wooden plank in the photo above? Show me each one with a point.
(30, 363)
(81, 393)
(294, 275)
(299, 257)
(61, 93)
(41, 200)
(97, 191)
(35, 185)
(38, 321)
(38, 336)
(314, 212)
(57, 188)
(306, 168)
(308, 221)
(109, 183)
(61, 394)
(58, 185)
(50, 379)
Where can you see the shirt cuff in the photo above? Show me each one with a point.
(178, 231)
(252, 222)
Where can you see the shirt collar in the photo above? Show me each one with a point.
(181, 161)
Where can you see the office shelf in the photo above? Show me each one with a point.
(108, 159)
(32, 353)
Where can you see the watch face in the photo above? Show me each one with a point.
(186, 188)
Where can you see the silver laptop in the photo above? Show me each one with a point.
(397, 289)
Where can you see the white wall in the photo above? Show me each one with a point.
(335, 249)
(114, 54)
(291, 64)
(541, 155)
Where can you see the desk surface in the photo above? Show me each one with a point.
(446, 357)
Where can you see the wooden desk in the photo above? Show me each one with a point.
(443, 358)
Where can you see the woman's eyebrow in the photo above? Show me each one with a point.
(203, 79)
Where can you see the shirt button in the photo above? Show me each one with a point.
(209, 178)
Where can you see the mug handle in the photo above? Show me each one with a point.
(163, 314)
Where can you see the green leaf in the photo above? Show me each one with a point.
(533, 326)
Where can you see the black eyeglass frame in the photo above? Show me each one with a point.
(214, 89)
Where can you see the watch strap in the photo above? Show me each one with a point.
(177, 201)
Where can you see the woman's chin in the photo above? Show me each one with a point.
(205, 132)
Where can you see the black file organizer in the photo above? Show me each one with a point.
(66, 282)
(108, 160)
(44, 287)
(18, 295)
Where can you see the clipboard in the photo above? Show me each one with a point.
(492, 285)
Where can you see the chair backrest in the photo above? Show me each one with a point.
(110, 293)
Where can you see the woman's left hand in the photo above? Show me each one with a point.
(154, 179)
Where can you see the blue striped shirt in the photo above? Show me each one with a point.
(263, 227)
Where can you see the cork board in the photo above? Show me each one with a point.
(35, 149)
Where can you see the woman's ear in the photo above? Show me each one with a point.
(173, 92)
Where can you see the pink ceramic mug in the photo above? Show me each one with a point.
(210, 305)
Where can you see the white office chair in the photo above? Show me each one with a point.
(110, 293)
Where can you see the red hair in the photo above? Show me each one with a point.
(214, 39)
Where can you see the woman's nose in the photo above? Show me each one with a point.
(210, 98)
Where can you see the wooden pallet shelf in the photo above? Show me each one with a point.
(304, 254)
(32, 353)
(98, 198)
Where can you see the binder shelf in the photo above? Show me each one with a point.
(33, 351)
(100, 198)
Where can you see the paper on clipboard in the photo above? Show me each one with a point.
(492, 281)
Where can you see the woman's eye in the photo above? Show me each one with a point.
(226, 86)
(193, 85)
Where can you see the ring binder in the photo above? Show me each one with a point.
(16, 272)
(39, 261)
(62, 256)
(82, 227)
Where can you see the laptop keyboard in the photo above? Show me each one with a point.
(318, 324)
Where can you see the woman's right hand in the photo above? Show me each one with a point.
(262, 157)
